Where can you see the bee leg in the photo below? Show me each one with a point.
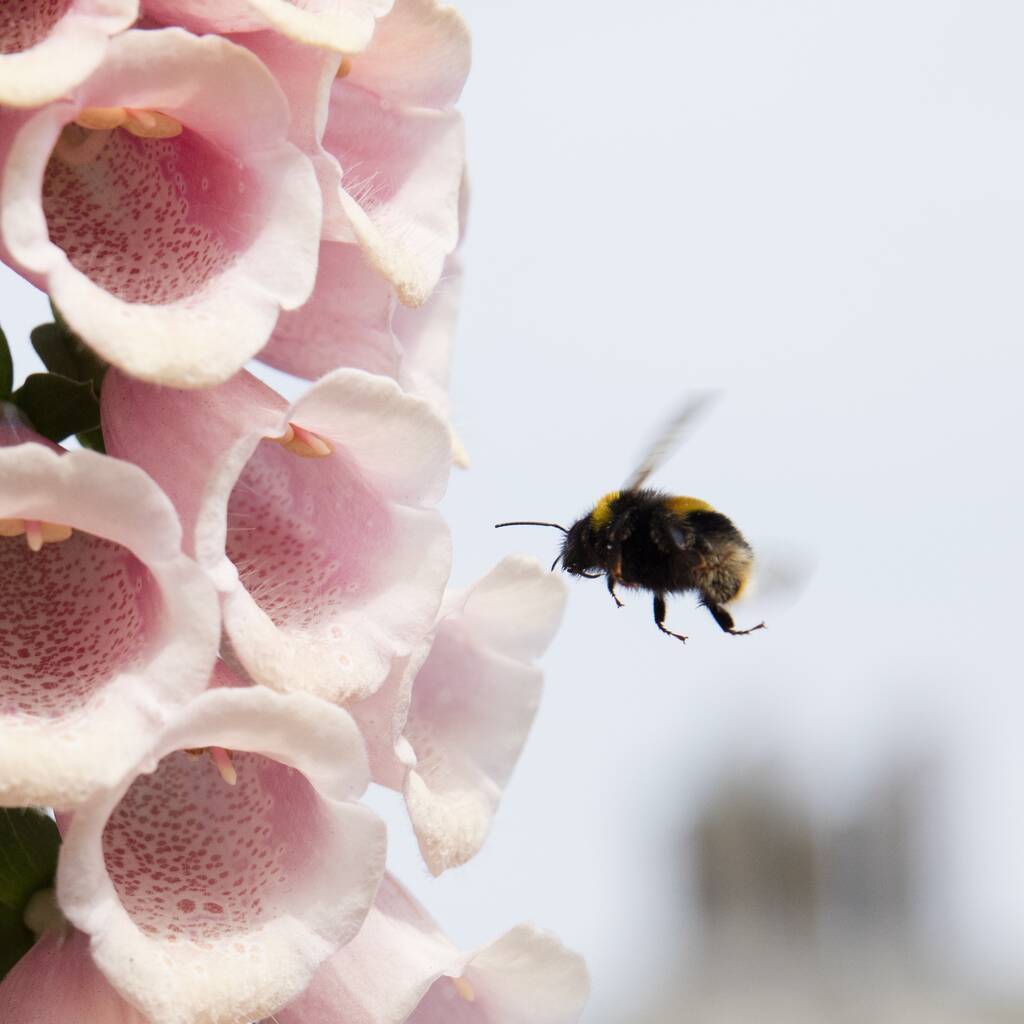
(611, 590)
(724, 620)
(659, 617)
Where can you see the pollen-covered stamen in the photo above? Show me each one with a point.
(464, 989)
(152, 124)
(36, 533)
(221, 759)
(300, 441)
(101, 118)
(344, 68)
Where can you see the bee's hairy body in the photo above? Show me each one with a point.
(669, 544)
(645, 539)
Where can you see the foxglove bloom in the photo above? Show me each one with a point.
(314, 521)
(46, 49)
(211, 898)
(448, 726)
(162, 206)
(400, 144)
(342, 25)
(401, 967)
(106, 627)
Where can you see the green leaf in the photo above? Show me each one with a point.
(52, 345)
(58, 407)
(29, 842)
(6, 368)
(64, 353)
(92, 439)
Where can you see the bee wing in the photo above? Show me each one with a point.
(781, 574)
(671, 436)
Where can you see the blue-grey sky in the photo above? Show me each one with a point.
(817, 206)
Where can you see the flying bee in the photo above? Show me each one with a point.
(643, 539)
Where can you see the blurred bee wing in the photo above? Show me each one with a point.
(781, 575)
(671, 436)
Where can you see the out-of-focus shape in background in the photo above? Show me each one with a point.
(805, 922)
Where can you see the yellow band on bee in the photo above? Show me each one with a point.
(602, 514)
(682, 505)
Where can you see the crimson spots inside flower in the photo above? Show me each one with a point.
(76, 613)
(150, 220)
(304, 540)
(194, 860)
(24, 23)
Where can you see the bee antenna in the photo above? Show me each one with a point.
(530, 523)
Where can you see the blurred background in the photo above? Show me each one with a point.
(817, 206)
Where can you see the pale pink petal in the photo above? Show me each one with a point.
(402, 174)
(419, 56)
(103, 634)
(401, 967)
(400, 145)
(46, 49)
(330, 567)
(56, 982)
(426, 335)
(206, 901)
(525, 977)
(347, 321)
(170, 257)
(306, 75)
(343, 25)
(451, 720)
(352, 319)
(383, 973)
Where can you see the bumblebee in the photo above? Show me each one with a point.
(644, 539)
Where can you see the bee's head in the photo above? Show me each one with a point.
(579, 551)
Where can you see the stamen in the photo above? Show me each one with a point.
(101, 118)
(12, 527)
(300, 441)
(222, 760)
(344, 67)
(34, 534)
(464, 989)
(54, 533)
(152, 124)
(37, 533)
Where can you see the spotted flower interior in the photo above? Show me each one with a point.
(195, 859)
(24, 23)
(75, 614)
(305, 541)
(149, 220)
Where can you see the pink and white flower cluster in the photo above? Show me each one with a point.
(219, 632)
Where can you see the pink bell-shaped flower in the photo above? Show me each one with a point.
(400, 144)
(314, 521)
(57, 981)
(47, 49)
(233, 860)
(342, 25)
(162, 206)
(449, 724)
(401, 967)
(106, 628)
